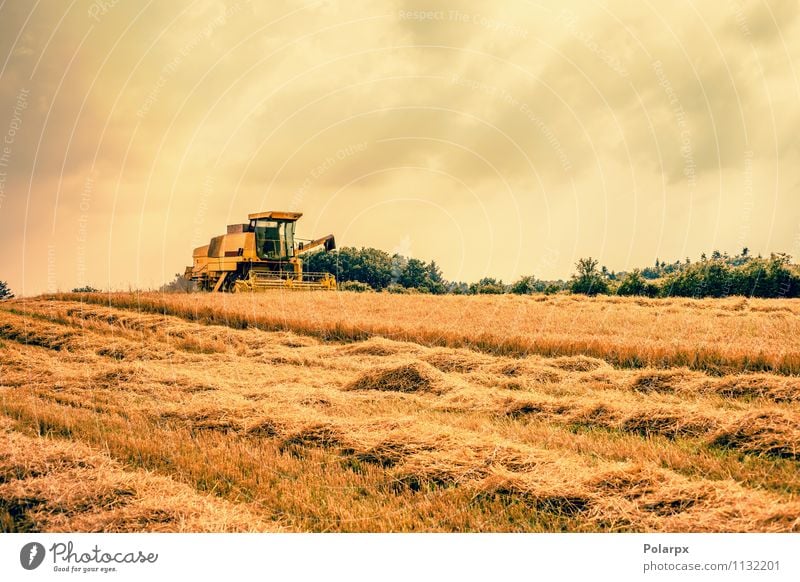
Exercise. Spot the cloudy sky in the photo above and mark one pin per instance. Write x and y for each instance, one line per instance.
(499, 139)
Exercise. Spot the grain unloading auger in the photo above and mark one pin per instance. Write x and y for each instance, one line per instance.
(259, 255)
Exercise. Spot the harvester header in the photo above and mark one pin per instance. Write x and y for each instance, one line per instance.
(260, 254)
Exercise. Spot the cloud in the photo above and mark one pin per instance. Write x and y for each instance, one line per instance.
(500, 132)
(764, 22)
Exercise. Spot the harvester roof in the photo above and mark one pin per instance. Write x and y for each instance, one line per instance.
(275, 215)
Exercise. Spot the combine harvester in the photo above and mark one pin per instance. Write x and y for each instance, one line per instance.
(257, 256)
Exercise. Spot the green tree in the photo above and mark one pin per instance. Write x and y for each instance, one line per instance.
(5, 292)
(634, 284)
(415, 275)
(525, 285)
(717, 278)
(436, 282)
(367, 265)
(721, 277)
(773, 277)
(373, 267)
(425, 277)
(588, 280)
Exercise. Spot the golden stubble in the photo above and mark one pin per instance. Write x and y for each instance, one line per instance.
(334, 412)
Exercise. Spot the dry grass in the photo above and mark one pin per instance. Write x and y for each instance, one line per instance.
(120, 413)
(712, 335)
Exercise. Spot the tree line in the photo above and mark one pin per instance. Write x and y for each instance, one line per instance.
(719, 275)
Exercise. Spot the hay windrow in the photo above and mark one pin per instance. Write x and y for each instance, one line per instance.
(459, 361)
(544, 407)
(118, 377)
(410, 377)
(771, 433)
(631, 481)
(381, 347)
(293, 340)
(267, 428)
(204, 420)
(390, 451)
(315, 435)
(666, 422)
(36, 333)
(748, 386)
(431, 470)
(578, 363)
(560, 501)
(535, 369)
(68, 487)
(662, 381)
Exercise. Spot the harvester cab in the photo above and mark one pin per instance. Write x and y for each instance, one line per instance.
(260, 254)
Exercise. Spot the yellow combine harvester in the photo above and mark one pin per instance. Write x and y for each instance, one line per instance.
(262, 254)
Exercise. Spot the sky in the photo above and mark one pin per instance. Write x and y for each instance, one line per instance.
(499, 139)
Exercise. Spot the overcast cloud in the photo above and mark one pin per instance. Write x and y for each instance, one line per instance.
(500, 139)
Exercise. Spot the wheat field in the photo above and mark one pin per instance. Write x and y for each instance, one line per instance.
(374, 412)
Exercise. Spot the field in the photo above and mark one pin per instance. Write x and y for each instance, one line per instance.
(376, 412)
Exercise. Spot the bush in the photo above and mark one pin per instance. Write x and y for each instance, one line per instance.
(397, 289)
(552, 289)
(85, 289)
(487, 286)
(635, 284)
(356, 286)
